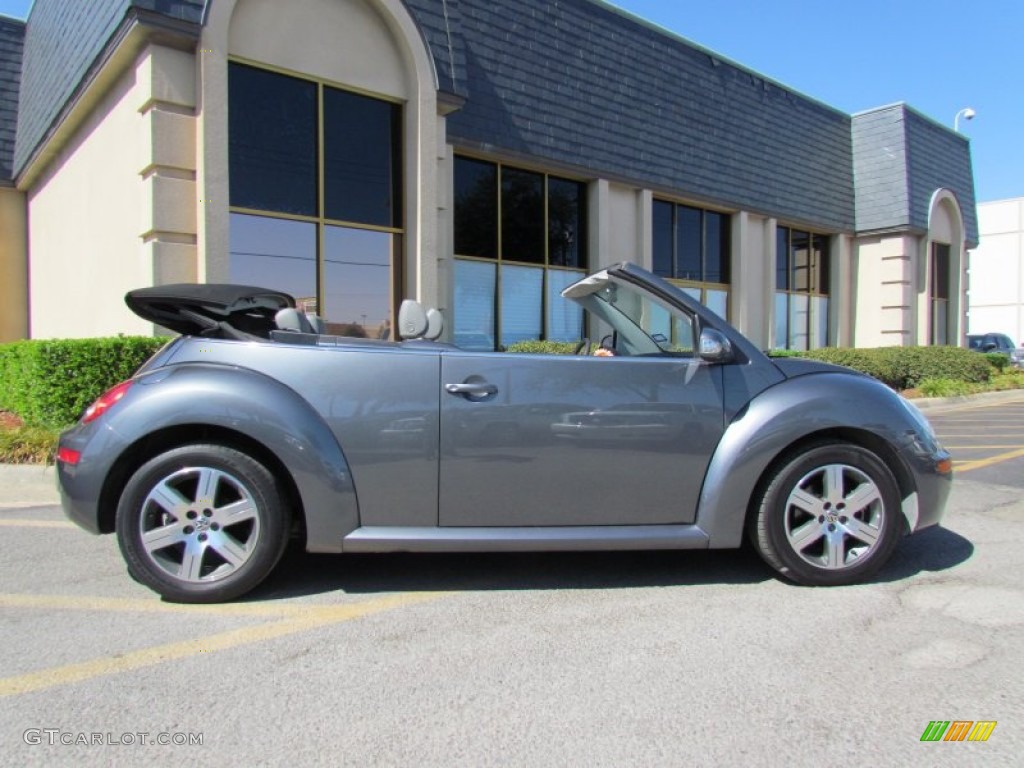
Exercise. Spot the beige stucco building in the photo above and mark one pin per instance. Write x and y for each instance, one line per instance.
(475, 156)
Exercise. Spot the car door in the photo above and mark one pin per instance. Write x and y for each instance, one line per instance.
(549, 440)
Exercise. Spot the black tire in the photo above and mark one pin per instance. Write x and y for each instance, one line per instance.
(202, 524)
(829, 515)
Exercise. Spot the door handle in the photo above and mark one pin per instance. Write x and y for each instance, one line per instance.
(472, 389)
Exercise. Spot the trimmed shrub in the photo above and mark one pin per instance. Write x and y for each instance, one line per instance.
(907, 367)
(997, 360)
(49, 382)
(534, 347)
(874, 362)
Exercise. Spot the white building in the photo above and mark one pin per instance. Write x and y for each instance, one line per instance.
(996, 271)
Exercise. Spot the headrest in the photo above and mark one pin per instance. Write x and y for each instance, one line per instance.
(435, 325)
(290, 319)
(412, 320)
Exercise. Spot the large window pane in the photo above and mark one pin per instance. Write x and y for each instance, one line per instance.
(476, 208)
(274, 253)
(663, 238)
(798, 321)
(782, 258)
(357, 282)
(716, 248)
(819, 322)
(940, 321)
(362, 159)
(272, 141)
(522, 216)
(520, 304)
(822, 266)
(474, 305)
(780, 336)
(717, 302)
(800, 260)
(565, 318)
(567, 229)
(688, 243)
(940, 271)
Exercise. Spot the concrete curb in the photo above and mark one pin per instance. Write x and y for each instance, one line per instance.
(26, 485)
(934, 403)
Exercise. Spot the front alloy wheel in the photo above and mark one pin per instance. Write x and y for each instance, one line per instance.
(829, 516)
(201, 523)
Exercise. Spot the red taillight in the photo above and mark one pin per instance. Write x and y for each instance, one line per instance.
(106, 401)
(68, 456)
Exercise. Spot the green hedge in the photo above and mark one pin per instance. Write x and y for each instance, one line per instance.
(543, 347)
(907, 367)
(50, 382)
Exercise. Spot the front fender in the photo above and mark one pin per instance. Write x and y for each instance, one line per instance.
(258, 407)
(800, 408)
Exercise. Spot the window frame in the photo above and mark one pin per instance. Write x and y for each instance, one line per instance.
(321, 221)
(499, 260)
(818, 274)
(703, 285)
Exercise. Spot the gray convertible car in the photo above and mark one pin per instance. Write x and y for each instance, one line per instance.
(254, 428)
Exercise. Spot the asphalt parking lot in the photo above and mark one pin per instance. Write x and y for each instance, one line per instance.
(695, 658)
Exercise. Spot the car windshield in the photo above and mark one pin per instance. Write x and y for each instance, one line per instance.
(642, 324)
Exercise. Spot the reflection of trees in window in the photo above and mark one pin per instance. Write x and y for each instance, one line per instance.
(693, 246)
(506, 214)
(476, 208)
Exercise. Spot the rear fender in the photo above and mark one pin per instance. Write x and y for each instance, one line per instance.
(260, 408)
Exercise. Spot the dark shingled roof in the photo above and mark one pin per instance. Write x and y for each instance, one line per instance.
(900, 159)
(62, 44)
(583, 85)
(12, 37)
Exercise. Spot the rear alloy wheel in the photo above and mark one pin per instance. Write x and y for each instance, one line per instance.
(829, 516)
(201, 524)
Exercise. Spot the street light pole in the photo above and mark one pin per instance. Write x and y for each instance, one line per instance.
(967, 113)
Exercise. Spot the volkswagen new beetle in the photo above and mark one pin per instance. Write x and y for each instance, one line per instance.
(254, 427)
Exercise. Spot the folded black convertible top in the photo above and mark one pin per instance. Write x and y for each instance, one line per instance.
(210, 309)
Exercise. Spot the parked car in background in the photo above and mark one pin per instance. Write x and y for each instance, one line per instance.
(999, 343)
(255, 427)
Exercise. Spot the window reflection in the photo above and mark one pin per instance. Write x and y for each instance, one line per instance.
(357, 282)
(362, 159)
(522, 216)
(565, 318)
(567, 228)
(274, 253)
(475, 283)
(272, 141)
(520, 303)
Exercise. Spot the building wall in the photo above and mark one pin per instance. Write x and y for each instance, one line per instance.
(13, 286)
(996, 285)
(115, 207)
(884, 272)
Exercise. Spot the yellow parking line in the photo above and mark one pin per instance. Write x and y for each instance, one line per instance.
(8, 523)
(981, 463)
(979, 447)
(143, 605)
(311, 618)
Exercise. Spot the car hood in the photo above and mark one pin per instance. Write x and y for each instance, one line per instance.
(211, 309)
(792, 367)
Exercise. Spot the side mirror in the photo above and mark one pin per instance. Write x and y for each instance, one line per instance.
(715, 347)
